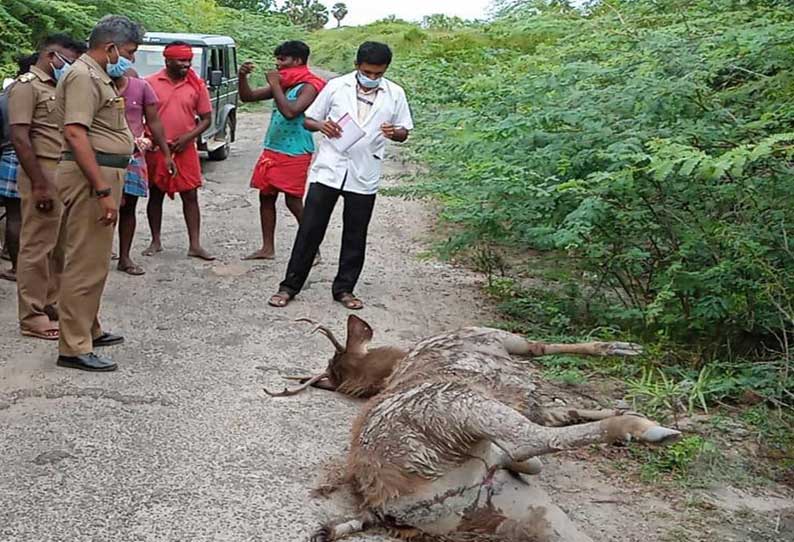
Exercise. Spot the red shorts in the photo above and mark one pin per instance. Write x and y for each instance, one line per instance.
(188, 174)
(276, 172)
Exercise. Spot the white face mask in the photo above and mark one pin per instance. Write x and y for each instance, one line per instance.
(57, 73)
(118, 68)
(366, 82)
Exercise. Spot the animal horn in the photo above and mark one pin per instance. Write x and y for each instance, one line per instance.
(325, 331)
(288, 392)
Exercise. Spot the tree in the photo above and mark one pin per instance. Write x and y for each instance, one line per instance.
(439, 21)
(339, 11)
(254, 6)
(309, 13)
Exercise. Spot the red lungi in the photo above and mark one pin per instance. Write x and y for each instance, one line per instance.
(276, 172)
(188, 168)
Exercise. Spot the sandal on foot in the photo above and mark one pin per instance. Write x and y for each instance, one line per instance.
(281, 299)
(133, 269)
(8, 275)
(350, 301)
(51, 334)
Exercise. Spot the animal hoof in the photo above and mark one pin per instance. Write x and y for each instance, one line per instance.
(658, 434)
(323, 534)
(623, 349)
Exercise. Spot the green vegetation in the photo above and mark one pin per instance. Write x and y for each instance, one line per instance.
(677, 460)
(257, 32)
(621, 171)
(649, 144)
(624, 168)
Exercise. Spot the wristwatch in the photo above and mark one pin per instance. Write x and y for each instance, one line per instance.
(102, 193)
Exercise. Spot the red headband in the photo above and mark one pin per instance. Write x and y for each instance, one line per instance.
(178, 52)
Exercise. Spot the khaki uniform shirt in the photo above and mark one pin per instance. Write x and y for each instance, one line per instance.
(31, 101)
(87, 96)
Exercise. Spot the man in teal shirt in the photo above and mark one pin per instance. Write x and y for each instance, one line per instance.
(288, 148)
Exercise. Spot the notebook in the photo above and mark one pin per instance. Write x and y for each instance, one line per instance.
(351, 133)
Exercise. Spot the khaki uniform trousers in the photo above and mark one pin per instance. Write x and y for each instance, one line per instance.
(40, 260)
(88, 245)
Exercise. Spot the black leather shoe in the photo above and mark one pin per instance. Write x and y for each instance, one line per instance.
(87, 362)
(108, 339)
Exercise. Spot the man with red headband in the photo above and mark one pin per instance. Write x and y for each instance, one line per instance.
(182, 97)
(288, 147)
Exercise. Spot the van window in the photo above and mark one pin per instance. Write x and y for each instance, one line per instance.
(215, 60)
(149, 59)
(226, 62)
(234, 61)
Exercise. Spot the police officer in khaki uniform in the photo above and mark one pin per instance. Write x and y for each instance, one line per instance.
(90, 178)
(37, 141)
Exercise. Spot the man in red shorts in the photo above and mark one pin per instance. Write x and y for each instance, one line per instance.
(182, 97)
(288, 148)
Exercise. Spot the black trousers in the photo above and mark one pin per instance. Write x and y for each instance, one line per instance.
(319, 205)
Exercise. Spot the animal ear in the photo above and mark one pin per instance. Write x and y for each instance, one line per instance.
(359, 335)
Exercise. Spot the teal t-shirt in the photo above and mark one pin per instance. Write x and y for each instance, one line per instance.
(288, 136)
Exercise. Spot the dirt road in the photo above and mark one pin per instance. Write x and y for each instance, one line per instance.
(180, 444)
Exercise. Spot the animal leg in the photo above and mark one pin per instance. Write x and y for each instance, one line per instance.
(518, 345)
(561, 416)
(334, 531)
(522, 439)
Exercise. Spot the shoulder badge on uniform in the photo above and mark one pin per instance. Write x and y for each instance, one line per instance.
(93, 73)
(26, 77)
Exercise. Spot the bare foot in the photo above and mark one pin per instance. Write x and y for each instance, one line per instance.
(200, 253)
(153, 249)
(261, 254)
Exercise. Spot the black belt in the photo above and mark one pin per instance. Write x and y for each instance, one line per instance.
(118, 161)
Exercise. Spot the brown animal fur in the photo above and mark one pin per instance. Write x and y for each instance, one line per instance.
(443, 416)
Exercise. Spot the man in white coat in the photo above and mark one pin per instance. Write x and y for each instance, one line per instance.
(380, 108)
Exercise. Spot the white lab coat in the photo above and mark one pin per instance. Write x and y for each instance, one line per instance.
(362, 162)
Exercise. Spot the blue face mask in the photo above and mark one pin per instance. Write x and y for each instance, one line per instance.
(119, 68)
(366, 82)
(57, 73)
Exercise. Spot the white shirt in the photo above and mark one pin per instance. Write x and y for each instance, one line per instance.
(362, 162)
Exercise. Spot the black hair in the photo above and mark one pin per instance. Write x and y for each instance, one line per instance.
(62, 40)
(116, 29)
(295, 49)
(24, 62)
(373, 52)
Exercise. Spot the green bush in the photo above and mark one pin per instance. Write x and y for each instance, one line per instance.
(649, 142)
(24, 22)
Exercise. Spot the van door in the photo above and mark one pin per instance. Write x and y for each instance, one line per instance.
(233, 80)
(224, 97)
(215, 64)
